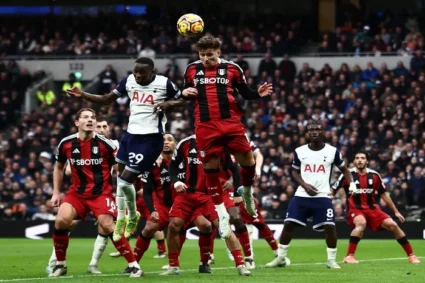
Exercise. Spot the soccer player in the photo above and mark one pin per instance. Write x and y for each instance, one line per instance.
(143, 141)
(211, 82)
(102, 128)
(230, 178)
(157, 194)
(311, 169)
(362, 210)
(189, 180)
(91, 157)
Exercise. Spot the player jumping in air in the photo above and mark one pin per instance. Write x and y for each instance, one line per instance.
(157, 194)
(211, 82)
(91, 157)
(102, 128)
(362, 210)
(143, 141)
(311, 169)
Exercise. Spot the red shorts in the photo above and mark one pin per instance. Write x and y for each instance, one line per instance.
(228, 198)
(102, 204)
(247, 218)
(213, 136)
(207, 210)
(163, 212)
(188, 206)
(374, 218)
(142, 208)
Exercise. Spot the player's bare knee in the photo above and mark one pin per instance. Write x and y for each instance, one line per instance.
(245, 158)
(205, 227)
(63, 223)
(212, 163)
(174, 227)
(106, 222)
(149, 230)
(390, 225)
(234, 214)
(73, 224)
(239, 225)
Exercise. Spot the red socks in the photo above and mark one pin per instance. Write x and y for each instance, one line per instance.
(124, 248)
(213, 235)
(204, 246)
(173, 259)
(142, 245)
(245, 243)
(237, 255)
(60, 242)
(215, 189)
(267, 234)
(352, 245)
(404, 244)
(160, 244)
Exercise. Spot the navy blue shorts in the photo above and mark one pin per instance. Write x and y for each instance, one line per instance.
(139, 152)
(302, 208)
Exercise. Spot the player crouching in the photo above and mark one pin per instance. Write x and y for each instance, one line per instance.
(91, 157)
(362, 210)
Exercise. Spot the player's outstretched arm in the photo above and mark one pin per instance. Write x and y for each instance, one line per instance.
(259, 159)
(349, 178)
(164, 106)
(58, 173)
(98, 99)
(387, 199)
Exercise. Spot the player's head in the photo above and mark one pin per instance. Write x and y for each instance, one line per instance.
(169, 144)
(361, 159)
(102, 126)
(85, 120)
(143, 70)
(208, 48)
(315, 130)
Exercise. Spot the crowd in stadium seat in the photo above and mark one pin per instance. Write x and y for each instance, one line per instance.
(133, 35)
(377, 109)
(375, 34)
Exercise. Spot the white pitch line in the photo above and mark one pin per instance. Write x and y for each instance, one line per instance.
(185, 270)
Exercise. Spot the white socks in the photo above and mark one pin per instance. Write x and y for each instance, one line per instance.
(53, 255)
(221, 210)
(99, 248)
(331, 254)
(127, 191)
(282, 251)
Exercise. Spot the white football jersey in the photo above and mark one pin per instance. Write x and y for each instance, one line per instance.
(316, 168)
(143, 98)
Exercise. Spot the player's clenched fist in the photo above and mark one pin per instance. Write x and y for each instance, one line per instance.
(180, 187)
(190, 92)
(75, 91)
(154, 216)
(55, 200)
(312, 191)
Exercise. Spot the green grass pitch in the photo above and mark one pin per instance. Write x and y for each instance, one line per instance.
(381, 261)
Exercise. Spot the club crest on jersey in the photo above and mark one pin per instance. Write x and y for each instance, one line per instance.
(221, 72)
(315, 168)
(370, 181)
(202, 153)
(95, 150)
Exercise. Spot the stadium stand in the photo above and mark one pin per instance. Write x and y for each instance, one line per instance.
(377, 109)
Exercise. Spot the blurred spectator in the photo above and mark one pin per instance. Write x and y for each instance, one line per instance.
(72, 81)
(107, 78)
(417, 188)
(45, 95)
